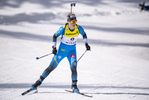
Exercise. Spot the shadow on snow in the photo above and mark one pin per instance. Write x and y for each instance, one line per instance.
(34, 37)
(54, 3)
(81, 86)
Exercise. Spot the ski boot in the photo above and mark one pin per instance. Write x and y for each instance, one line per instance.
(37, 83)
(74, 87)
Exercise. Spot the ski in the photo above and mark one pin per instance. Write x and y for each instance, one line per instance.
(29, 90)
(80, 93)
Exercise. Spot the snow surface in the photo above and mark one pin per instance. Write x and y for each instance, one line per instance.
(116, 68)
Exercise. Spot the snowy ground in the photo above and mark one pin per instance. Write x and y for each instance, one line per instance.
(116, 68)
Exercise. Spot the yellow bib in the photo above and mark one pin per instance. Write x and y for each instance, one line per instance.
(69, 33)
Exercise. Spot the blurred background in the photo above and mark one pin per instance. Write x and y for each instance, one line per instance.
(116, 68)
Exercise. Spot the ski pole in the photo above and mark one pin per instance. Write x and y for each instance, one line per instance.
(43, 56)
(81, 56)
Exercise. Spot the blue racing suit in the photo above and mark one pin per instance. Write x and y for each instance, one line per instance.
(67, 49)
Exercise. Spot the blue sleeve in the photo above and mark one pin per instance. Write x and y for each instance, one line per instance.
(82, 32)
(58, 33)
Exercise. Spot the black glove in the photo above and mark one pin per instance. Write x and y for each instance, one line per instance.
(87, 46)
(54, 51)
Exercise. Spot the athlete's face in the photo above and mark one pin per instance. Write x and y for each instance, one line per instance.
(72, 24)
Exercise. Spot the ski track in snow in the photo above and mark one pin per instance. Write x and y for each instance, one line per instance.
(116, 68)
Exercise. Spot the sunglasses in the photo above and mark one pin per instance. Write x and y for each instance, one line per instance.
(73, 21)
